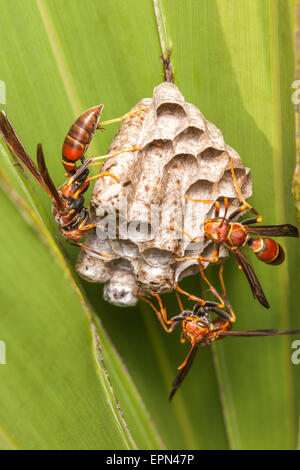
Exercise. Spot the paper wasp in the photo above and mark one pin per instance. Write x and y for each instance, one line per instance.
(68, 201)
(223, 307)
(235, 235)
(80, 135)
(200, 330)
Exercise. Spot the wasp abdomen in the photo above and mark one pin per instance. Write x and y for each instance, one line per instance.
(267, 250)
(79, 137)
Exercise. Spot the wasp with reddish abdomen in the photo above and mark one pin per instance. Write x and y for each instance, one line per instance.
(68, 200)
(235, 235)
(223, 307)
(80, 135)
(200, 330)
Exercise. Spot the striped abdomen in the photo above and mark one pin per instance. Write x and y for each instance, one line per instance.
(267, 250)
(79, 136)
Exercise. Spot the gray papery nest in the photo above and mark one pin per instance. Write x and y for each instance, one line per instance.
(181, 154)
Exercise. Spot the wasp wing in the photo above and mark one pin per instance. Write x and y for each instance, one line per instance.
(259, 333)
(52, 191)
(8, 133)
(181, 375)
(285, 230)
(252, 278)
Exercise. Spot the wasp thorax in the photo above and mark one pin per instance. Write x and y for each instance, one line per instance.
(196, 328)
(141, 219)
(217, 231)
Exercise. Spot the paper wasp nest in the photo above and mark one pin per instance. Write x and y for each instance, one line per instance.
(181, 154)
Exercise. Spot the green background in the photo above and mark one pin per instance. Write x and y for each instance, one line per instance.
(65, 381)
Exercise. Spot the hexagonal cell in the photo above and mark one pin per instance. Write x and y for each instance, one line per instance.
(99, 244)
(227, 186)
(121, 289)
(186, 269)
(201, 189)
(185, 164)
(157, 257)
(171, 118)
(91, 268)
(173, 111)
(120, 265)
(189, 137)
(157, 279)
(212, 172)
(140, 231)
(124, 248)
(177, 175)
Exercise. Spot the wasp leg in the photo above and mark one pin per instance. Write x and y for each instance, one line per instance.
(243, 208)
(119, 119)
(92, 160)
(240, 209)
(226, 207)
(87, 248)
(161, 314)
(224, 296)
(212, 289)
(101, 176)
(82, 188)
(206, 201)
(190, 296)
(182, 337)
(254, 220)
(197, 239)
(240, 196)
(179, 301)
(222, 279)
(213, 259)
